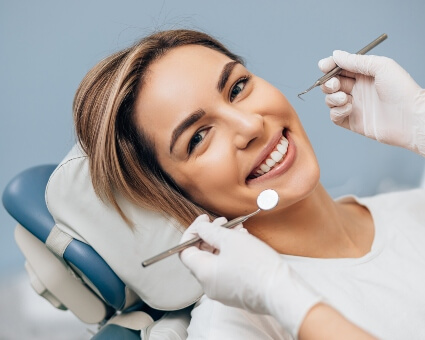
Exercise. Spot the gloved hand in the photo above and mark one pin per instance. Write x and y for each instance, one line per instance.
(239, 270)
(376, 98)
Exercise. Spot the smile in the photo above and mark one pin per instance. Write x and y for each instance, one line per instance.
(275, 157)
(276, 161)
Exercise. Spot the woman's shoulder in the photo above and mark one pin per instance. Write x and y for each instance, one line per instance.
(413, 199)
(392, 206)
(211, 320)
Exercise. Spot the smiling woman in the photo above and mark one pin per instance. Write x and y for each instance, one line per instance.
(213, 124)
(177, 124)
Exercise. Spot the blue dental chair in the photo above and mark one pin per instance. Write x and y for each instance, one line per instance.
(71, 274)
(23, 198)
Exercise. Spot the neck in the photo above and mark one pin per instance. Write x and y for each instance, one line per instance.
(318, 227)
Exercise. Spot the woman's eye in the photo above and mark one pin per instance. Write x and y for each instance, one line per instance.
(196, 139)
(238, 88)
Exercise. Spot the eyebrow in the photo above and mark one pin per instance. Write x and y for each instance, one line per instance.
(184, 125)
(198, 114)
(225, 73)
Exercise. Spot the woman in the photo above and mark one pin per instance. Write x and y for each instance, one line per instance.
(178, 122)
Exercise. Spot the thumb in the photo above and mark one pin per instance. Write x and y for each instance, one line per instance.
(326, 64)
(364, 64)
(188, 254)
(192, 231)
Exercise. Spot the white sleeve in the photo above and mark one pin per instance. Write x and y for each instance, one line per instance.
(211, 320)
(172, 326)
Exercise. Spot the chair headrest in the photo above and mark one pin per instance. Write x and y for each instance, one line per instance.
(23, 199)
(71, 200)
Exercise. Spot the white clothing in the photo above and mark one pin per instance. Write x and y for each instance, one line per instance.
(211, 320)
(382, 292)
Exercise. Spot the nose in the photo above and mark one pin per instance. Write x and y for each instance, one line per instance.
(246, 127)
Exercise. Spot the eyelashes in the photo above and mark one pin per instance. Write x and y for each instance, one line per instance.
(237, 88)
(196, 139)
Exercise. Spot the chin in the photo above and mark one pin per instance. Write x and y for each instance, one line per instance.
(300, 187)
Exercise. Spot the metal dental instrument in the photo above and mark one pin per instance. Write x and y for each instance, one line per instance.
(266, 200)
(337, 70)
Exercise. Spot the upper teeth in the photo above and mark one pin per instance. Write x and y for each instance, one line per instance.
(275, 157)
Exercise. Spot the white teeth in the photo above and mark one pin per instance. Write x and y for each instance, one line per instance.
(265, 168)
(283, 146)
(270, 162)
(275, 157)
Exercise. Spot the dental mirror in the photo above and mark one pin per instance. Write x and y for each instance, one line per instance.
(266, 200)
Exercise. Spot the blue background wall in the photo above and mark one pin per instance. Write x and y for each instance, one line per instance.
(46, 47)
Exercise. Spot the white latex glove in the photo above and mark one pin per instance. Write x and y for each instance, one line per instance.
(241, 271)
(172, 326)
(377, 98)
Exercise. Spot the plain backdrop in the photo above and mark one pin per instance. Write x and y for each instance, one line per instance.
(46, 47)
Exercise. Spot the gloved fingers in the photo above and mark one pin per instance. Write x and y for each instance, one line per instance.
(331, 86)
(201, 218)
(336, 99)
(364, 64)
(202, 266)
(199, 262)
(340, 114)
(213, 234)
(346, 84)
(191, 232)
(347, 74)
(239, 227)
(188, 252)
(206, 247)
(326, 64)
(242, 229)
(340, 83)
(220, 221)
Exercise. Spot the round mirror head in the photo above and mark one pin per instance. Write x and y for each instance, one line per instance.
(267, 199)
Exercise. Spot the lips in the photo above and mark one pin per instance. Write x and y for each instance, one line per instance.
(272, 159)
(273, 155)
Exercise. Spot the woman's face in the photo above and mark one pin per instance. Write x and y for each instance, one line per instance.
(214, 125)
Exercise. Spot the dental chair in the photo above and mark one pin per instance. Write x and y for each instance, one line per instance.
(81, 256)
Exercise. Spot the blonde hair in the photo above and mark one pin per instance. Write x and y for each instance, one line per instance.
(122, 159)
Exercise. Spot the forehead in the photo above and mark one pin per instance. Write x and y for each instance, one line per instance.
(186, 61)
(181, 70)
(181, 81)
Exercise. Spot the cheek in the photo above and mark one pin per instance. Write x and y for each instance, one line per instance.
(204, 179)
(270, 94)
(304, 177)
(208, 181)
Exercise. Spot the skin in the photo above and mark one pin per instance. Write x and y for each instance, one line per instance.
(238, 123)
(324, 322)
(238, 127)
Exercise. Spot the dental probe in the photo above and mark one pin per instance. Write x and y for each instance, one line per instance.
(266, 200)
(337, 70)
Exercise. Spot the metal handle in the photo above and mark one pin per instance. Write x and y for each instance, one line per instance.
(194, 241)
(336, 70)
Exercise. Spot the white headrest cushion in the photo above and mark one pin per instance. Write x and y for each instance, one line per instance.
(70, 197)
